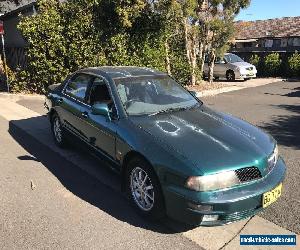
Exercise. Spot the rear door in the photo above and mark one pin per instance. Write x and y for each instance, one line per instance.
(73, 102)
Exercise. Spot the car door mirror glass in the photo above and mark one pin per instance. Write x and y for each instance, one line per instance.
(101, 109)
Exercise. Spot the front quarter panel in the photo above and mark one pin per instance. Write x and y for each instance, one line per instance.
(169, 165)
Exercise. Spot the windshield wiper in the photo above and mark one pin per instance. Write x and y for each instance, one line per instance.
(195, 105)
(169, 110)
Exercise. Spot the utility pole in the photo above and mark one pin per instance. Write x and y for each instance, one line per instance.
(4, 54)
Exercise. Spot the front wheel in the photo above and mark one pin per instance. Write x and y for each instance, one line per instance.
(58, 131)
(144, 189)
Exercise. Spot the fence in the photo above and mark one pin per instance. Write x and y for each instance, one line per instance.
(16, 57)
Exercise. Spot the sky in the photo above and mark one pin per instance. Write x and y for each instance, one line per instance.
(267, 9)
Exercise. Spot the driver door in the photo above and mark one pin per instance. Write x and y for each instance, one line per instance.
(100, 131)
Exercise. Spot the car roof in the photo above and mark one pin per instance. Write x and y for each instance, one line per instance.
(124, 71)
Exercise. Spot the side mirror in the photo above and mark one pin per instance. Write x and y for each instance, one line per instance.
(194, 93)
(101, 109)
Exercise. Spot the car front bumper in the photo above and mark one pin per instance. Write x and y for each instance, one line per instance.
(221, 207)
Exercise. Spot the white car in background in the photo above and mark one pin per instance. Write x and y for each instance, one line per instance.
(231, 67)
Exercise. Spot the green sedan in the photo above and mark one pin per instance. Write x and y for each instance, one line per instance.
(176, 156)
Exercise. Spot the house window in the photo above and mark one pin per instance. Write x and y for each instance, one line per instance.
(297, 41)
(284, 42)
(269, 43)
(291, 42)
(276, 43)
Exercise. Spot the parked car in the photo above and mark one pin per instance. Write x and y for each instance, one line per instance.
(176, 156)
(231, 67)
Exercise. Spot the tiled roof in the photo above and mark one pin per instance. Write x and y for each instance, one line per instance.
(279, 27)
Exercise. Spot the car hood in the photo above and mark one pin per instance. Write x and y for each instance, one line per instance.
(242, 64)
(212, 141)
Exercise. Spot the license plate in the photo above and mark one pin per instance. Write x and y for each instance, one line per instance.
(272, 196)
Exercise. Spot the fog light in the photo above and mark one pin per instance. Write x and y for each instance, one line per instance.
(210, 217)
(200, 207)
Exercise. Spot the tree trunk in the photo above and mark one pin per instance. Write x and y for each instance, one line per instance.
(186, 40)
(191, 50)
(201, 57)
(167, 57)
(211, 65)
(193, 57)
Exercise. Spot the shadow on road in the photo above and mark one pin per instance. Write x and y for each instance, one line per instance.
(293, 94)
(285, 128)
(84, 185)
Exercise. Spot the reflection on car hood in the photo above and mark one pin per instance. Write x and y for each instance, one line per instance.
(211, 140)
(242, 64)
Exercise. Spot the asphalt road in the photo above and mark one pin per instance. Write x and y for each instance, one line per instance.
(64, 211)
(276, 109)
(46, 202)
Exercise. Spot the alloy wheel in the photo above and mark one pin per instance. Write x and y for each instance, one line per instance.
(142, 189)
(57, 130)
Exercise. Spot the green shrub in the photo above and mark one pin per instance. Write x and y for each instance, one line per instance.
(66, 36)
(255, 60)
(11, 76)
(294, 64)
(272, 64)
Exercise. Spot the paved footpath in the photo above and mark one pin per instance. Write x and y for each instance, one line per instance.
(56, 201)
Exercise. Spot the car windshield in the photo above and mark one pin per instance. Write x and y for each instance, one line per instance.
(231, 58)
(152, 95)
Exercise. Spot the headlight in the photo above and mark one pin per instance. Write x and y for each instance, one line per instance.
(272, 160)
(212, 182)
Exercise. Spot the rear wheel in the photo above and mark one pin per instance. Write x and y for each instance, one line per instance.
(58, 131)
(144, 189)
(230, 75)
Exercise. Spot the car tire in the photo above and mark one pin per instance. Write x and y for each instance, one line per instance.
(144, 190)
(58, 131)
(230, 76)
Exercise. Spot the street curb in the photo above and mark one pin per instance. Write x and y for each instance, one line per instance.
(18, 97)
(214, 92)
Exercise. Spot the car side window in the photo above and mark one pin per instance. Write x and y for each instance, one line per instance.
(77, 86)
(99, 93)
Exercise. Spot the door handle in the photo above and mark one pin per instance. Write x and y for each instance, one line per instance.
(85, 114)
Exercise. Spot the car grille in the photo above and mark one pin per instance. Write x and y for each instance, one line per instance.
(239, 215)
(248, 174)
(250, 68)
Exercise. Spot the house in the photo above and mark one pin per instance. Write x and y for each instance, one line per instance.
(15, 44)
(281, 35)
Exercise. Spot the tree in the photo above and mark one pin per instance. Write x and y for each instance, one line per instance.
(61, 39)
(216, 19)
(169, 35)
